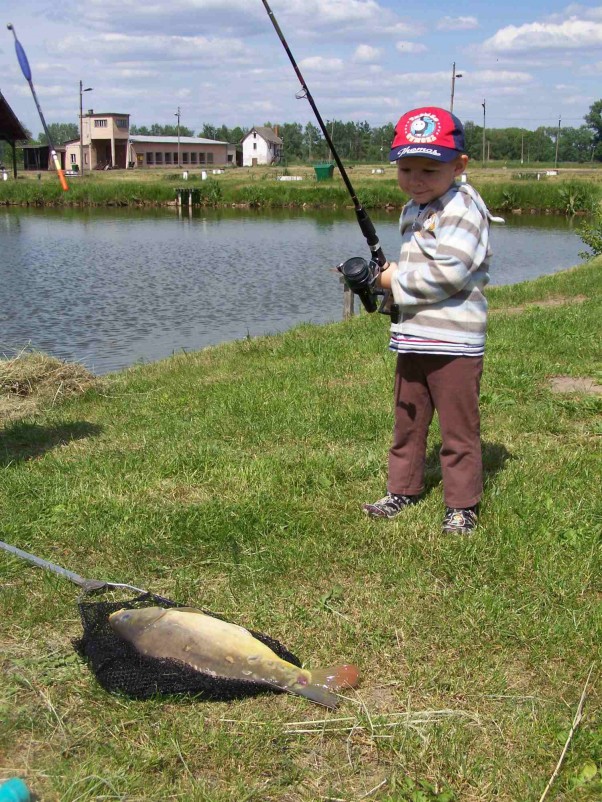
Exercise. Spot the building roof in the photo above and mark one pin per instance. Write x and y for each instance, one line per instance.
(173, 140)
(37, 146)
(11, 129)
(92, 113)
(266, 133)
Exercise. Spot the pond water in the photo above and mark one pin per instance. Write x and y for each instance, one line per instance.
(110, 288)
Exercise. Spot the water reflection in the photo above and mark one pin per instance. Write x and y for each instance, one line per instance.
(109, 288)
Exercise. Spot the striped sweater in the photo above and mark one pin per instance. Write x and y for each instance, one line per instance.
(442, 272)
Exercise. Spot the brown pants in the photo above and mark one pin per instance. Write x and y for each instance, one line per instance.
(425, 383)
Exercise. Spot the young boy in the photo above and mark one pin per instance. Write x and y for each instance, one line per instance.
(439, 318)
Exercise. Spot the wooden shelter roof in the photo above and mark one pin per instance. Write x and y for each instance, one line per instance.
(11, 129)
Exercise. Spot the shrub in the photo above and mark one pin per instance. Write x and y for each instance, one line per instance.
(591, 235)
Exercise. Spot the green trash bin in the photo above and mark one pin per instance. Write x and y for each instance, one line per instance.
(324, 171)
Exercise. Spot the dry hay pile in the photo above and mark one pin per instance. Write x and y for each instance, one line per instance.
(32, 380)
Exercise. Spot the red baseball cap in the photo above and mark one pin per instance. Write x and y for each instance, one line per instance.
(429, 132)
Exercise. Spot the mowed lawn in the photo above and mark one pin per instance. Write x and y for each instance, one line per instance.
(231, 479)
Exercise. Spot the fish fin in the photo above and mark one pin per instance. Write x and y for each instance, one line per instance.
(316, 693)
(336, 678)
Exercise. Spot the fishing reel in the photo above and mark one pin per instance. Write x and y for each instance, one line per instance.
(360, 276)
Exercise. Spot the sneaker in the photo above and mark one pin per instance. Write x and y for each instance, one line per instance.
(460, 521)
(390, 506)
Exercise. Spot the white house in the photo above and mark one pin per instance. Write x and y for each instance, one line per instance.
(261, 146)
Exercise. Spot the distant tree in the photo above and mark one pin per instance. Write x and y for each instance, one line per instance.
(358, 141)
(380, 143)
(594, 122)
(236, 135)
(208, 131)
(292, 139)
(473, 138)
(541, 144)
(576, 144)
(312, 142)
(60, 133)
(157, 129)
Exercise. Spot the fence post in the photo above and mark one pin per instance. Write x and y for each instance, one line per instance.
(348, 296)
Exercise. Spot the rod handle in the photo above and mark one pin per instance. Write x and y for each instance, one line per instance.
(60, 173)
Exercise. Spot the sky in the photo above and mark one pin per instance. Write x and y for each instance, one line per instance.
(221, 62)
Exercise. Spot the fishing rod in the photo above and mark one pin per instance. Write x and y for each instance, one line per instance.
(26, 70)
(358, 275)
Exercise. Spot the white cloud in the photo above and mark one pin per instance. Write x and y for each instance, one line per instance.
(410, 47)
(124, 48)
(366, 53)
(404, 29)
(457, 24)
(500, 77)
(576, 10)
(321, 64)
(569, 35)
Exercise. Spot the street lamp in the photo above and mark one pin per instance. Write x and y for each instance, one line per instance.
(177, 114)
(453, 85)
(81, 127)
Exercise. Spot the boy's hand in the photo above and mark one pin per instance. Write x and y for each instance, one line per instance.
(384, 279)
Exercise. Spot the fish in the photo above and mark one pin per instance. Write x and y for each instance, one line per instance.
(220, 649)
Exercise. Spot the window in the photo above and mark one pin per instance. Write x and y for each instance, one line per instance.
(210, 158)
(184, 158)
(150, 159)
(168, 158)
(121, 123)
(201, 158)
(73, 158)
(100, 123)
(158, 158)
(193, 158)
(254, 145)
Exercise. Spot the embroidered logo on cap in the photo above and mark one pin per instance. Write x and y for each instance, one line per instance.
(423, 128)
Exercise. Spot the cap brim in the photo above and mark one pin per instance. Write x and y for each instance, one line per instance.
(433, 152)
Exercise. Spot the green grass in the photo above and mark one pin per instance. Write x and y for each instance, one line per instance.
(570, 193)
(231, 479)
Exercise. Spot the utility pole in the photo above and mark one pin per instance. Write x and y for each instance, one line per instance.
(81, 127)
(177, 114)
(484, 127)
(453, 85)
(522, 149)
(557, 141)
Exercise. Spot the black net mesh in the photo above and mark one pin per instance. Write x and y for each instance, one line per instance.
(119, 668)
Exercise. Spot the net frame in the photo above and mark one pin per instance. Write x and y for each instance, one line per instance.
(119, 668)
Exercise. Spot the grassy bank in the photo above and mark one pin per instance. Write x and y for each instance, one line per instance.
(231, 479)
(568, 193)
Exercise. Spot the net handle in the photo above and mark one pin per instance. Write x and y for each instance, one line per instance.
(88, 585)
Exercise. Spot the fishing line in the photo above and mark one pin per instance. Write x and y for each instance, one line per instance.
(363, 219)
(26, 70)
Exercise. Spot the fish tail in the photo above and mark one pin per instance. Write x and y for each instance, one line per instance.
(336, 678)
(316, 693)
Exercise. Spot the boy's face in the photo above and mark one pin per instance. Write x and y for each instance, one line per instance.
(426, 179)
